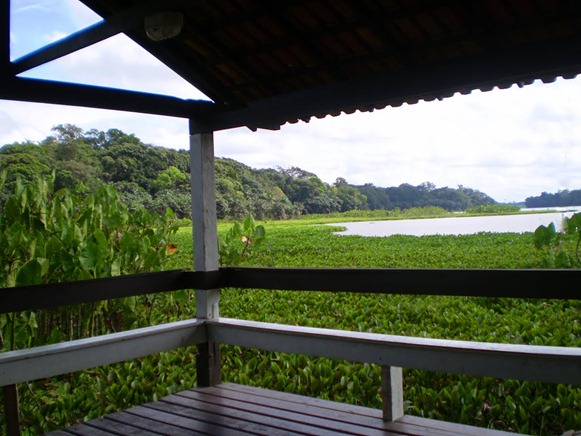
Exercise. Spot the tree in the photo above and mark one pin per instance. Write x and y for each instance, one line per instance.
(349, 196)
(25, 160)
(377, 198)
(134, 196)
(178, 202)
(125, 162)
(171, 178)
(66, 133)
(558, 199)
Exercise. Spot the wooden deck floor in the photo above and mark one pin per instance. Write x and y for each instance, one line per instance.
(231, 409)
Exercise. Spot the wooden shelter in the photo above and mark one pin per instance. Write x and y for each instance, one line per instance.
(264, 64)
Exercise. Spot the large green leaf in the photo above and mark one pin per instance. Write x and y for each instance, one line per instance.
(90, 256)
(29, 274)
(544, 235)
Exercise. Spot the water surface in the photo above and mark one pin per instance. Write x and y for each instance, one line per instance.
(455, 225)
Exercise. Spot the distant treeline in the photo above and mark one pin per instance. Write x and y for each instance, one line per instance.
(559, 199)
(157, 178)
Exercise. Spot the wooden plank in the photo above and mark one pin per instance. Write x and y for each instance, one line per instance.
(299, 415)
(521, 362)
(366, 417)
(223, 418)
(459, 282)
(205, 232)
(284, 421)
(119, 428)
(452, 428)
(50, 360)
(87, 291)
(290, 402)
(301, 399)
(138, 417)
(86, 430)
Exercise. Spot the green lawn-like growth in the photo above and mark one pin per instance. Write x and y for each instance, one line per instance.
(509, 405)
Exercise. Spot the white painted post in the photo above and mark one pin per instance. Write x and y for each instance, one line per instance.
(204, 223)
(392, 392)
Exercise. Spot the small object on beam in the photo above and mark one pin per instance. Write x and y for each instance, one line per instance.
(164, 25)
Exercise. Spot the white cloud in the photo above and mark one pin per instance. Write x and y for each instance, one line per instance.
(120, 63)
(79, 14)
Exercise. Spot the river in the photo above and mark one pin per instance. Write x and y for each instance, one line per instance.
(458, 225)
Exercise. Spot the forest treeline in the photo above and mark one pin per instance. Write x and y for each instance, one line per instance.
(158, 178)
(559, 199)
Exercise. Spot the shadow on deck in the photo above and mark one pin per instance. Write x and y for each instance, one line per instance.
(231, 409)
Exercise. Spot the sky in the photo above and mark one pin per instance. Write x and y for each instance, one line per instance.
(509, 144)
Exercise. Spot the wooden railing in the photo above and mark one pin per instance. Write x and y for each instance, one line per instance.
(540, 363)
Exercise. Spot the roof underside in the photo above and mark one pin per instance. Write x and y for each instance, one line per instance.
(266, 63)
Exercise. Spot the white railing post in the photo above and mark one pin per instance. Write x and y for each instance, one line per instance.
(392, 392)
(204, 223)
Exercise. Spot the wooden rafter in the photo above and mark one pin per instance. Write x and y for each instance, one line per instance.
(4, 36)
(44, 91)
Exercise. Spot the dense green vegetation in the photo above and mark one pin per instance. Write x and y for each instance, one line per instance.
(50, 236)
(493, 209)
(157, 178)
(558, 199)
(522, 406)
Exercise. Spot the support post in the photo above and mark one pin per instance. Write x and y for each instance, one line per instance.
(392, 392)
(204, 223)
(11, 410)
(5, 38)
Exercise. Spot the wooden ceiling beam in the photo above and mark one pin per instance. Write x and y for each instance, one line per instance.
(69, 94)
(4, 36)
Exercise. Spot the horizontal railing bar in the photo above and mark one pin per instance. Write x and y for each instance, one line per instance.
(521, 362)
(549, 284)
(87, 291)
(51, 360)
(521, 283)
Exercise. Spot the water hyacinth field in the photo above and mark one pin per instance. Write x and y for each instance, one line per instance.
(526, 407)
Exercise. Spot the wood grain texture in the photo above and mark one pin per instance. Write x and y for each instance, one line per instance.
(230, 409)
